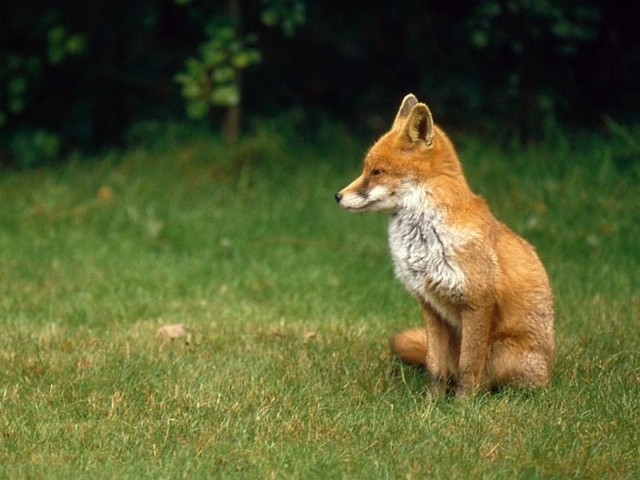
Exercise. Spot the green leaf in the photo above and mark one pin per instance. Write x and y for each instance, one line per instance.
(213, 55)
(224, 34)
(197, 109)
(56, 34)
(17, 86)
(181, 78)
(480, 39)
(226, 96)
(195, 68)
(223, 75)
(76, 45)
(245, 58)
(191, 89)
(235, 46)
(56, 54)
(269, 17)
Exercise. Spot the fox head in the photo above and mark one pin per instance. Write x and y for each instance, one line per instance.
(401, 162)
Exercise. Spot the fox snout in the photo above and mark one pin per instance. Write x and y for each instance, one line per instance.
(353, 196)
(360, 198)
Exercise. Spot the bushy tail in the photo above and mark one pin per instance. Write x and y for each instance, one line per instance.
(410, 345)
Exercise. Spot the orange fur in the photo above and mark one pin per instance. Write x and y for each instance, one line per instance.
(485, 296)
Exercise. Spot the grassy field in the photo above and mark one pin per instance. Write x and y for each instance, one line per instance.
(289, 302)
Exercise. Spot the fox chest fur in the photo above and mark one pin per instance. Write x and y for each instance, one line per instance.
(423, 249)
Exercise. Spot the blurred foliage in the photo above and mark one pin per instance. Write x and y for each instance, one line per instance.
(512, 69)
(499, 24)
(536, 37)
(289, 15)
(211, 78)
(34, 147)
(625, 142)
(20, 70)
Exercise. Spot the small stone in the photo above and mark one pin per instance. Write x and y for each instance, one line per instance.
(169, 332)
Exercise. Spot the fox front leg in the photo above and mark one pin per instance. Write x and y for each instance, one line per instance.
(441, 340)
(476, 325)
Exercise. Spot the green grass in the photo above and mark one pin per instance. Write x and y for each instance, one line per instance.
(290, 302)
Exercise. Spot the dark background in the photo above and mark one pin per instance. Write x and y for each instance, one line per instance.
(505, 68)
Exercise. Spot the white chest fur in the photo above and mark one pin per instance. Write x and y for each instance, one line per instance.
(423, 249)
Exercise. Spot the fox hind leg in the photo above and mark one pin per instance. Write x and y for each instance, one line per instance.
(509, 364)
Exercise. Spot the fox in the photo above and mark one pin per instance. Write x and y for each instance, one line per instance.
(485, 297)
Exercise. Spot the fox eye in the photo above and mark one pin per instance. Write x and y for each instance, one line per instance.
(376, 171)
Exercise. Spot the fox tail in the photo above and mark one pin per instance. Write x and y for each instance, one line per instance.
(410, 345)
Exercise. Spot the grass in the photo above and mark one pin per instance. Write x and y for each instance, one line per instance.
(289, 303)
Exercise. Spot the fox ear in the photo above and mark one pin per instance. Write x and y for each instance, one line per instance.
(418, 127)
(408, 102)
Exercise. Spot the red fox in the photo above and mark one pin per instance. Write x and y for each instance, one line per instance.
(484, 293)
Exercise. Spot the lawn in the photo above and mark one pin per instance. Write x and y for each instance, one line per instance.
(289, 302)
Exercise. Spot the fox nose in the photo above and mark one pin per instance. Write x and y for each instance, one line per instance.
(338, 197)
